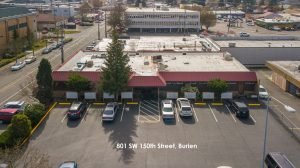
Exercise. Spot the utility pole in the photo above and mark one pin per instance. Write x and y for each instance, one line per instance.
(105, 24)
(62, 44)
(265, 133)
(229, 19)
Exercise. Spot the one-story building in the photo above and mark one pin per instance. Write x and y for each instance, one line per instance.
(49, 21)
(157, 73)
(286, 75)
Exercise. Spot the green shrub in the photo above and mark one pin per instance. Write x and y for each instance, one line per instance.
(5, 139)
(35, 112)
(19, 128)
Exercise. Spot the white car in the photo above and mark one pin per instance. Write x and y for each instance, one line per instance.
(276, 28)
(20, 105)
(184, 107)
(17, 66)
(262, 92)
(167, 109)
(110, 111)
(250, 24)
(30, 59)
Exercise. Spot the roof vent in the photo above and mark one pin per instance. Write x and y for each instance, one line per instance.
(186, 63)
(228, 56)
(173, 58)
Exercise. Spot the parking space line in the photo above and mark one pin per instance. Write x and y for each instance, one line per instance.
(230, 113)
(149, 115)
(195, 113)
(143, 108)
(213, 113)
(64, 118)
(139, 111)
(122, 112)
(87, 110)
(150, 107)
(286, 117)
(177, 115)
(252, 118)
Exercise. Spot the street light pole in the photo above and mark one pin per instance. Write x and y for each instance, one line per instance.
(98, 31)
(105, 23)
(62, 44)
(265, 134)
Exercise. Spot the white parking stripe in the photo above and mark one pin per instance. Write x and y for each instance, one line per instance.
(144, 118)
(149, 115)
(87, 110)
(195, 113)
(252, 118)
(145, 109)
(64, 118)
(231, 113)
(177, 116)
(150, 107)
(122, 112)
(139, 111)
(213, 113)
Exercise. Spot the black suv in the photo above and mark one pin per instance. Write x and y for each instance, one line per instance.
(77, 109)
(239, 108)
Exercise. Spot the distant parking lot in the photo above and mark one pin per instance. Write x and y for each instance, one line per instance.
(139, 138)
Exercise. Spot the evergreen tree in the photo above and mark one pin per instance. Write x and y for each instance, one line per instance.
(116, 70)
(44, 81)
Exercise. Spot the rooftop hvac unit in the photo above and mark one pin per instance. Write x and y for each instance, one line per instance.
(231, 44)
(299, 68)
(228, 56)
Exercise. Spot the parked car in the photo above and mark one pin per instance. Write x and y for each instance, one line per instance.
(6, 114)
(110, 111)
(53, 47)
(30, 59)
(76, 110)
(68, 164)
(167, 109)
(19, 105)
(250, 24)
(18, 66)
(262, 92)
(90, 47)
(278, 160)
(276, 28)
(46, 50)
(243, 34)
(239, 108)
(184, 107)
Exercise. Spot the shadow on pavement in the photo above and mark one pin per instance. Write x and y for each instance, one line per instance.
(188, 120)
(123, 132)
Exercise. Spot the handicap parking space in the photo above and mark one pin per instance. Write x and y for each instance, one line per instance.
(149, 111)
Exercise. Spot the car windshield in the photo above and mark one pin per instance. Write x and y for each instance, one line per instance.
(108, 112)
(186, 109)
(167, 109)
(12, 106)
(262, 90)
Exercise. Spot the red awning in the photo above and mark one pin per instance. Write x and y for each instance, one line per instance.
(146, 81)
(206, 76)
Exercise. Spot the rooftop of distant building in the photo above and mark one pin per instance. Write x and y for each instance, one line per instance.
(257, 43)
(161, 10)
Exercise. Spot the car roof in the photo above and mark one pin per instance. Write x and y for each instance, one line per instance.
(68, 164)
(75, 105)
(184, 102)
(166, 102)
(281, 159)
(14, 103)
(240, 104)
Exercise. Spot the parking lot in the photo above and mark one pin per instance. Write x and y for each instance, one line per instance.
(140, 138)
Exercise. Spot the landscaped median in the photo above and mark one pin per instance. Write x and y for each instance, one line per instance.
(24, 124)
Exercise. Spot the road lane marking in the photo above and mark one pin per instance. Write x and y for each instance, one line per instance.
(149, 115)
(230, 113)
(286, 117)
(211, 110)
(252, 118)
(146, 106)
(122, 112)
(195, 113)
(143, 108)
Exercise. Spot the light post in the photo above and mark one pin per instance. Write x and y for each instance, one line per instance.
(265, 133)
(98, 31)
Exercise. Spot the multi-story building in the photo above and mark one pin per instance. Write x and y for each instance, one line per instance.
(162, 20)
(64, 10)
(15, 18)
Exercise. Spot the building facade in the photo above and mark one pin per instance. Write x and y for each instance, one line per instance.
(15, 18)
(163, 20)
(64, 11)
(49, 21)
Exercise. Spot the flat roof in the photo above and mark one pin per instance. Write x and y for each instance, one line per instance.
(142, 10)
(162, 43)
(228, 12)
(281, 20)
(256, 43)
(143, 64)
(288, 67)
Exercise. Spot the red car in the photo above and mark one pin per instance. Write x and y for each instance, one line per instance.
(6, 114)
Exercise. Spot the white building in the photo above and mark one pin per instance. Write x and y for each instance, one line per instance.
(163, 20)
(64, 10)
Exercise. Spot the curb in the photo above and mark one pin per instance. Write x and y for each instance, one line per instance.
(99, 104)
(64, 103)
(254, 104)
(39, 123)
(132, 103)
(200, 104)
(217, 104)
